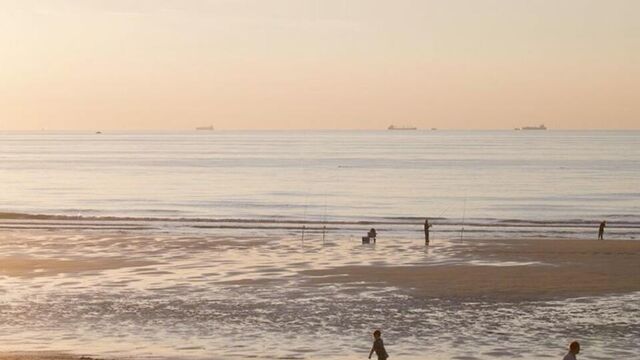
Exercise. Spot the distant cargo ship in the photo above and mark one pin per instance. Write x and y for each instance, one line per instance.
(541, 127)
(393, 127)
(209, 128)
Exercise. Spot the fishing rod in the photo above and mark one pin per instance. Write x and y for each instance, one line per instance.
(303, 157)
(444, 211)
(304, 216)
(324, 226)
(464, 210)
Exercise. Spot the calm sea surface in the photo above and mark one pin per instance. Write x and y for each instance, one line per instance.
(496, 183)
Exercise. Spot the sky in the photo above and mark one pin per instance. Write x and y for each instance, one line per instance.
(318, 64)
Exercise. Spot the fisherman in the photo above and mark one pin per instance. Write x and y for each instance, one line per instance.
(574, 349)
(601, 230)
(426, 231)
(378, 346)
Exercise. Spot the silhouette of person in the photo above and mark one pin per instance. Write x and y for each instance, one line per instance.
(601, 230)
(574, 349)
(378, 346)
(372, 234)
(426, 231)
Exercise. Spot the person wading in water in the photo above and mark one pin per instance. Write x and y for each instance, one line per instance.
(601, 230)
(426, 231)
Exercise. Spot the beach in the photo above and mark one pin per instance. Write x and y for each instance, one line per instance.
(510, 270)
(43, 355)
(139, 294)
(498, 270)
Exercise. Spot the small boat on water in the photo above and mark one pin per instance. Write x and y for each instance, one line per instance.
(393, 127)
(541, 127)
(205, 128)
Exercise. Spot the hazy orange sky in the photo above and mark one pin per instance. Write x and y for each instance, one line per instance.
(282, 64)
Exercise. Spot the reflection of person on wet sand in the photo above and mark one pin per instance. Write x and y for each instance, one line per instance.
(574, 349)
(378, 346)
(601, 230)
(426, 231)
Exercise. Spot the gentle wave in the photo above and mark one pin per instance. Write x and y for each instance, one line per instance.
(447, 227)
(492, 222)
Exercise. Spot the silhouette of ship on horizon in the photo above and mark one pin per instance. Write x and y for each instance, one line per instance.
(393, 127)
(541, 127)
(208, 128)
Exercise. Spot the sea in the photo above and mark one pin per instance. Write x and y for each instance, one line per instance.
(468, 183)
(194, 245)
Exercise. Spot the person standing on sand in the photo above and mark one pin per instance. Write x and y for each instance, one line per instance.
(426, 231)
(601, 230)
(378, 346)
(574, 349)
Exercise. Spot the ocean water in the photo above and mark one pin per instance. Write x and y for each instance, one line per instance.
(489, 183)
(211, 233)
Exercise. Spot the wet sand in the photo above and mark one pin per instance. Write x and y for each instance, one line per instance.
(108, 304)
(509, 271)
(42, 355)
(31, 267)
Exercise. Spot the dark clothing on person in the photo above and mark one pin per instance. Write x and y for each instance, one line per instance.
(378, 347)
(426, 232)
(601, 230)
(372, 234)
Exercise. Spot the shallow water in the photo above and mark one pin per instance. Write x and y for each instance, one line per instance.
(239, 294)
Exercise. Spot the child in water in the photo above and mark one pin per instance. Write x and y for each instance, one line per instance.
(378, 346)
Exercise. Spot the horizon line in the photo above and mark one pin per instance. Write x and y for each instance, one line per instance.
(302, 129)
